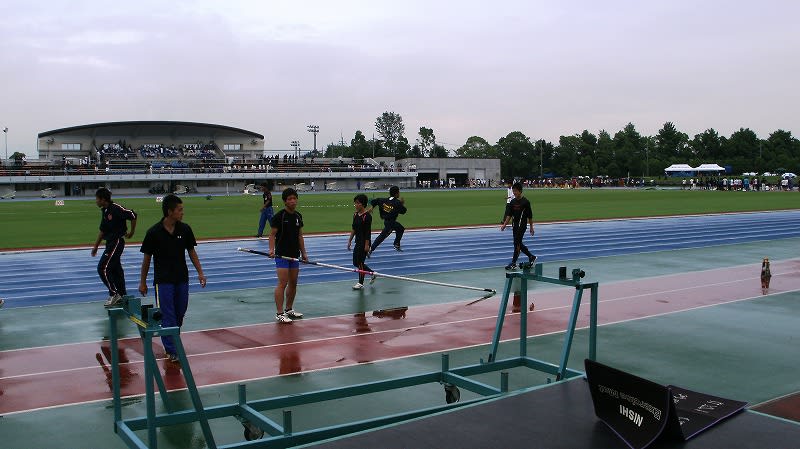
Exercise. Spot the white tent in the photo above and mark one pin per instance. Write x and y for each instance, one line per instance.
(710, 168)
(679, 168)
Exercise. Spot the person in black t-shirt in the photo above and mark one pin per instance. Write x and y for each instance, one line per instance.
(389, 209)
(362, 227)
(114, 230)
(286, 239)
(266, 209)
(166, 243)
(519, 210)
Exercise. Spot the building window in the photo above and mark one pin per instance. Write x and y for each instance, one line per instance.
(232, 147)
(71, 146)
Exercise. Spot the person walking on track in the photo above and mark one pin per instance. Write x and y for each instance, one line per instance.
(286, 241)
(114, 230)
(389, 209)
(362, 227)
(167, 243)
(266, 208)
(519, 212)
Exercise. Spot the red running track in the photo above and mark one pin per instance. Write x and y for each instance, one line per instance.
(36, 378)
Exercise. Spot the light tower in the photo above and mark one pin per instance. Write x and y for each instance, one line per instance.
(314, 129)
(5, 134)
(296, 145)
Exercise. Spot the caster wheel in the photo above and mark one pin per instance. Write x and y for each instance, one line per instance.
(451, 393)
(252, 432)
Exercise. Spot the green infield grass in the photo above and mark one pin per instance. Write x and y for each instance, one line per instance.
(35, 224)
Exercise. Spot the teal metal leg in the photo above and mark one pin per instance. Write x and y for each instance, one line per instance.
(573, 320)
(162, 389)
(287, 422)
(523, 318)
(593, 323)
(149, 367)
(192, 387)
(112, 314)
(501, 315)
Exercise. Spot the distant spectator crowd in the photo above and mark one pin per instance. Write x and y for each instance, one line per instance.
(124, 151)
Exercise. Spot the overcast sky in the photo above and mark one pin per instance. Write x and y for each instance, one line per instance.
(462, 67)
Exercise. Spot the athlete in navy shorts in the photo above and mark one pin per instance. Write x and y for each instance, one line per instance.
(286, 239)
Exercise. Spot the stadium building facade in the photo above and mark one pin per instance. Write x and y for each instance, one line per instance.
(141, 157)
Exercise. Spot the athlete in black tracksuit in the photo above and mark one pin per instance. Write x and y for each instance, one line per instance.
(114, 230)
(519, 211)
(362, 228)
(389, 209)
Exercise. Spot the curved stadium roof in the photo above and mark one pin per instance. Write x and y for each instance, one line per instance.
(154, 128)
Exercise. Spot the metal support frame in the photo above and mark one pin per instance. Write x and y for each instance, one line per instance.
(560, 371)
(263, 432)
(148, 321)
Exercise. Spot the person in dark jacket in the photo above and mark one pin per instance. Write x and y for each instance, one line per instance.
(114, 230)
(389, 209)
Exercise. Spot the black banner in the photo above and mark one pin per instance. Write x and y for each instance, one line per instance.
(640, 411)
(698, 411)
(635, 409)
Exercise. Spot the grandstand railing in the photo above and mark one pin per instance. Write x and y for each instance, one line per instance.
(168, 167)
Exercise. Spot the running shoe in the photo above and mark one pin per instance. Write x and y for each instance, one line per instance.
(293, 314)
(511, 267)
(358, 286)
(113, 301)
(397, 248)
(282, 318)
(173, 358)
(2, 303)
(372, 278)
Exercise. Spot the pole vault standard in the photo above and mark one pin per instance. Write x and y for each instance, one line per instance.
(374, 273)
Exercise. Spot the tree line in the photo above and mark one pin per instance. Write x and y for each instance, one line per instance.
(626, 153)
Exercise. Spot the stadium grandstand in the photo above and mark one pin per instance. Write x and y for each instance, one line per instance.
(141, 157)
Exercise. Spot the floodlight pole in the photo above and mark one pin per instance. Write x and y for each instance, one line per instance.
(5, 134)
(314, 129)
(296, 145)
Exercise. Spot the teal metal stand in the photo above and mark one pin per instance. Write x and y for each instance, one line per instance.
(263, 432)
(560, 371)
(148, 322)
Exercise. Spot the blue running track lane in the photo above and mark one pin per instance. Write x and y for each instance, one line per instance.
(41, 278)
